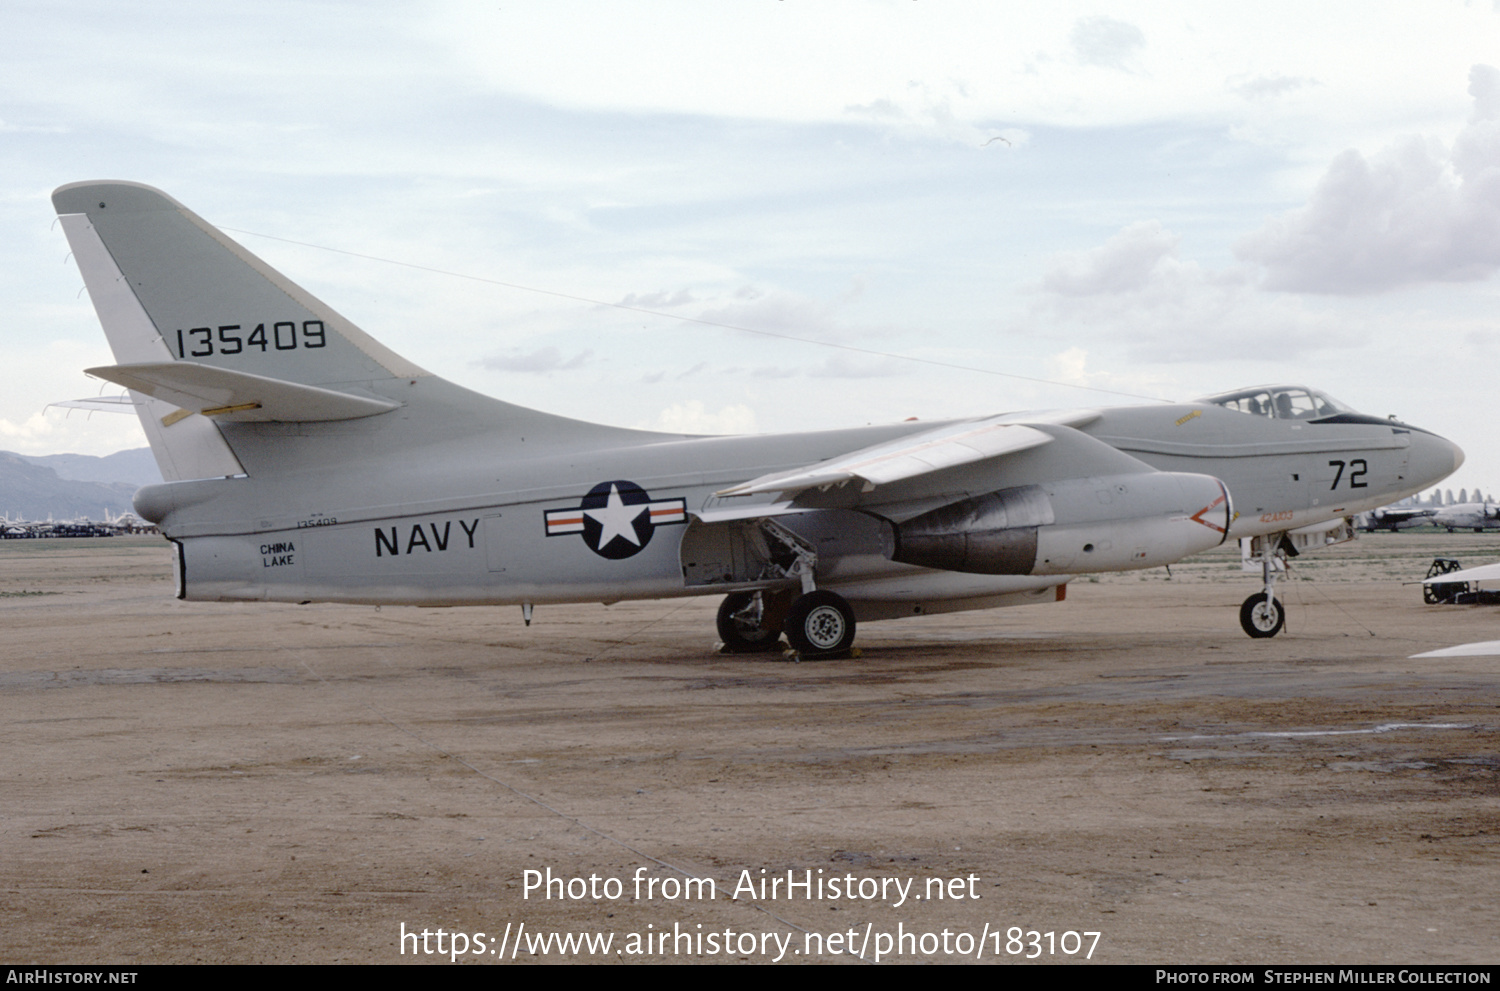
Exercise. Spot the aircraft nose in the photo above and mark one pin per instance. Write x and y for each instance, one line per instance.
(1432, 458)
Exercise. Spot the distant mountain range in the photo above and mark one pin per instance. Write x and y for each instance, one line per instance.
(73, 486)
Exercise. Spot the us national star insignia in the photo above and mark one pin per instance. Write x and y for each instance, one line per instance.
(616, 518)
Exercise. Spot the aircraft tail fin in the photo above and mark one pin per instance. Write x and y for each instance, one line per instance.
(199, 325)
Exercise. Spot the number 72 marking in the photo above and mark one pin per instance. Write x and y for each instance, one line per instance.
(1357, 470)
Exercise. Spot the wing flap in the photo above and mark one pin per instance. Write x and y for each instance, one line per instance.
(918, 454)
(240, 396)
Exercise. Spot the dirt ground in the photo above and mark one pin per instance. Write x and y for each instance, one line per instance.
(264, 783)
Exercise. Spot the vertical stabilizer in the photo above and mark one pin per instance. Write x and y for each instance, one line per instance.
(236, 369)
(168, 287)
(208, 299)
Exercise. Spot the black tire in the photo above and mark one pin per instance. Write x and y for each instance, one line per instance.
(1262, 616)
(739, 633)
(820, 622)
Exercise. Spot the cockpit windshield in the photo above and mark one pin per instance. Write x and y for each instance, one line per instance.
(1280, 402)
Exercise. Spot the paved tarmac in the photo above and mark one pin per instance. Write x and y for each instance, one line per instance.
(264, 783)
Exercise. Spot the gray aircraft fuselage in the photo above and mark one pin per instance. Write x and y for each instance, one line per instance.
(465, 520)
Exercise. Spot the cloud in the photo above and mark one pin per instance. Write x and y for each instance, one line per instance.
(690, 417)
(1415, 212)
(1134, 291)
(1268, 87)
(794, 315)
(773, 372)
(856, 367)
(1123, 263)
(546, 359)
(658, 300)
(876, 108)
(1070, 366)
(1106, 42)
(8, 128)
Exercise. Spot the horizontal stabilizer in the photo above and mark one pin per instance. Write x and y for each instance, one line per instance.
(240, 396)
(918, 454)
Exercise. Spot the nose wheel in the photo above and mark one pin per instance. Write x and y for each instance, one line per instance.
(1261, 615)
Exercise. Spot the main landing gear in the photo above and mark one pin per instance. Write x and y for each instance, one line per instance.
(817, 623)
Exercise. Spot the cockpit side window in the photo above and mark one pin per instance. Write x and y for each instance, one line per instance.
(1294, 404)
(1281, 402)
(1256, 402)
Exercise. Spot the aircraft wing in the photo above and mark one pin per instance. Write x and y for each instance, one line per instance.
(918, 454)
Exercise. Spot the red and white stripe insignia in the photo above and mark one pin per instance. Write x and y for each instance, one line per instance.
(668, 511)
(561, 521)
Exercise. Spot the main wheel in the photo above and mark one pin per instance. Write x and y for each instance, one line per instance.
(1262, 616)
(742, 624)
(820, 622)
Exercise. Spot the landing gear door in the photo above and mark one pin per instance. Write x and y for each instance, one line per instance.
(1292, 543)
(727, 554)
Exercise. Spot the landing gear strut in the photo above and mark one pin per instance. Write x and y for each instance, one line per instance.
(1261, 615)
(819, 623)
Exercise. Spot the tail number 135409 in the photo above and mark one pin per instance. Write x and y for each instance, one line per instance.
(285, 335)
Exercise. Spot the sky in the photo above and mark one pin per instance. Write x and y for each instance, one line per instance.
(876, 210)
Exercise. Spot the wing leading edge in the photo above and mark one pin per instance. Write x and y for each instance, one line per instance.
(919, 454)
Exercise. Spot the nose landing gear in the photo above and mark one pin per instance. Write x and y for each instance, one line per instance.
(1262, 615)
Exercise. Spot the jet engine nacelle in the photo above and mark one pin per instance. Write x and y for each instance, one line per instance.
(1111, 523)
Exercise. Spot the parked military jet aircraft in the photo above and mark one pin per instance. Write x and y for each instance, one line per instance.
(305, 461)
(1395, 518)
(1476, 516)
